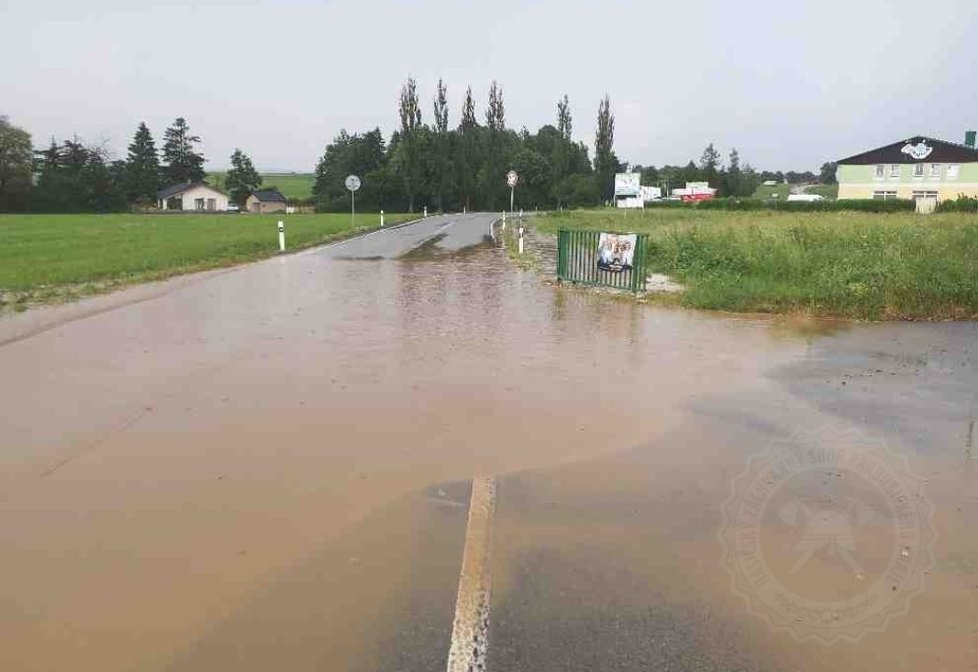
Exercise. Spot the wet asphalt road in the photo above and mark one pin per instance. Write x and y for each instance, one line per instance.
(269, 467)
(447, 233)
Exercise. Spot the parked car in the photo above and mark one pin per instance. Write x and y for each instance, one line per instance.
(232, 209)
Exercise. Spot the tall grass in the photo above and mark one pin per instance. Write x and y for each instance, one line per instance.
(857, 265)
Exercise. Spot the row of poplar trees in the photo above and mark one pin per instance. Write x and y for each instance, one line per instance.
(449, 167)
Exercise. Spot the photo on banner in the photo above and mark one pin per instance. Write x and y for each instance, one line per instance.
(616, 251)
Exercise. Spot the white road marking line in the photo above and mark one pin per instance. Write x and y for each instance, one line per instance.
(470, 630)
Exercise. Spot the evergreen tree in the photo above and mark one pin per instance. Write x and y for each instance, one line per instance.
(142, 167)
(242, 178)
(76, 178)
(183, 164)
(605, 162)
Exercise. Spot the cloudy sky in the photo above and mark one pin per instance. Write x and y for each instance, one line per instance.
(790, 84)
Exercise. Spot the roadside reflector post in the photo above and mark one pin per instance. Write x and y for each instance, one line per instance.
(281, 236)
(426, 212)
(521, 237)
(381, 218)
(504, 220)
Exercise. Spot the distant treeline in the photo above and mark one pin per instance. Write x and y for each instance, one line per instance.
(437, 165)
(70, 176)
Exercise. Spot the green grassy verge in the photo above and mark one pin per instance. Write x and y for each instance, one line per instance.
(844, 264)
(292, 185)
(51, 257)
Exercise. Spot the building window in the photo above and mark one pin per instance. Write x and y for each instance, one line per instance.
(884, 195)
(879, 172)
(924, 194)
(935, 170)
(952, 171)
(918, 170)
(895, 170)
(198, 204)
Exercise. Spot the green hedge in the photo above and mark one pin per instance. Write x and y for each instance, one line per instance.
(746, 204)
(961, 204)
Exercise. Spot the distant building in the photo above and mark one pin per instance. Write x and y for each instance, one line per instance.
(267, 200)
(192, 196)
(695, 191)
(917, 168)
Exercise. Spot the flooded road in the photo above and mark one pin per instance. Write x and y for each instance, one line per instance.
(271, 466)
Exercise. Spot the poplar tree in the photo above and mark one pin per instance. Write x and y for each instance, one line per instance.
(605, 162)
(468, 149)
(495, 172)
(408, 145)
(442, 146)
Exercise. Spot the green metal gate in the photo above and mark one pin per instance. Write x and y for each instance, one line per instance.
(578, 257)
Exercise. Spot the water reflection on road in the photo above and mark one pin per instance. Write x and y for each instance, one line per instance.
(270, 468)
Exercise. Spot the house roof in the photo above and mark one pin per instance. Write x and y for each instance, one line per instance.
(917, 149)
(270, 196)
(178, 189)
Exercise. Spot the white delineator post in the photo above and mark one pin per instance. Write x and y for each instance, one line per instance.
(281, 236)
(504, 220)
(426, 212)
(521, 238)
(381, 218)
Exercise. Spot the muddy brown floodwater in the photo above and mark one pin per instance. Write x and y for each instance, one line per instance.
(271, 466)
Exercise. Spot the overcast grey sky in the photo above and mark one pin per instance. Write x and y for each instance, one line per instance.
(790, 84)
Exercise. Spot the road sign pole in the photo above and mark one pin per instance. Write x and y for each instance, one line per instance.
(353, 209)
(512, 190)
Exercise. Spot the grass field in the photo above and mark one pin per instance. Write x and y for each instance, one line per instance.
(782, 191)
(292, 185)
(49, 257)
(829, 191)
(846, 264)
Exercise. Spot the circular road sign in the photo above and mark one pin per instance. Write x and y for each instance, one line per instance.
(512, 178)
(352, 182)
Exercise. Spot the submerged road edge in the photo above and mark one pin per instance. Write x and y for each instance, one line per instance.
(470, 629)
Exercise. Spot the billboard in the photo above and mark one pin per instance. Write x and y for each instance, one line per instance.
(616, 251)
(628, 184)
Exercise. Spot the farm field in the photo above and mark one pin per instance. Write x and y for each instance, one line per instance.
(842, 264)
(292, 185)
(53, 257)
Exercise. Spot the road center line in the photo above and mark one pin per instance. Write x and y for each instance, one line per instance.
(470, 630)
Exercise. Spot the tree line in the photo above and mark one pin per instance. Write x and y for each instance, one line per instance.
(70, 176)
(441, 165)
(462, 165)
